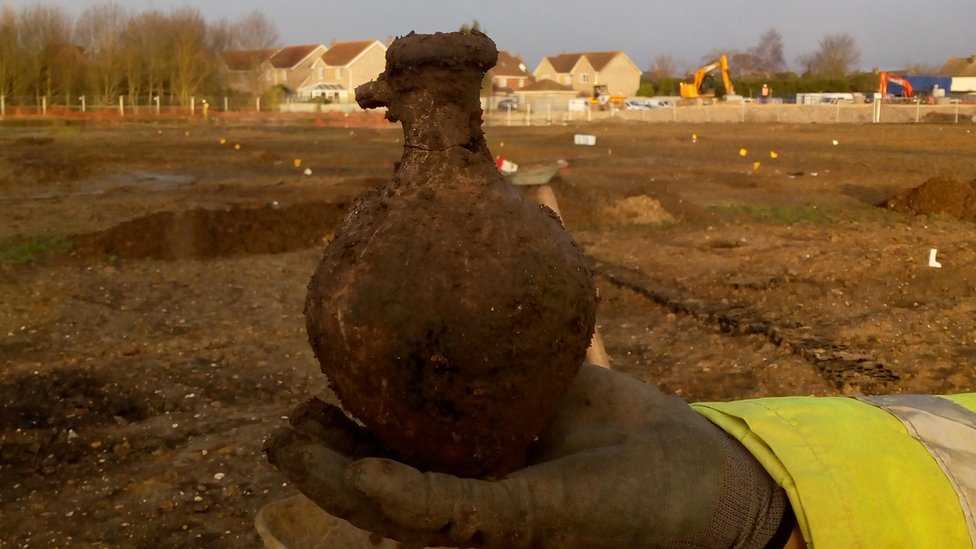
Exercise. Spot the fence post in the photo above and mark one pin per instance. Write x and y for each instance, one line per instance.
(82, 98)
(121, 105)
(918, 110)
(674, 111)
(257, 102)
(193, 105)
(528, 114)
(225, 104)
(3, 105)
(44, 105)
(156, 99)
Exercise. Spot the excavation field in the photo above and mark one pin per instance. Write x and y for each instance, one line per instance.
(152, 279)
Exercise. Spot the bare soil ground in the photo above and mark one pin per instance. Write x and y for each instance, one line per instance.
(153, 277)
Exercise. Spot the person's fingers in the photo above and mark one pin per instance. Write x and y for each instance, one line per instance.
(316, 470)
(468, 512)
(330, 425)
(320, 473)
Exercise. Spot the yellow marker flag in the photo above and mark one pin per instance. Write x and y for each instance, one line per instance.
(298, 162)
(772, 154)
(743, 152)
(755, 165)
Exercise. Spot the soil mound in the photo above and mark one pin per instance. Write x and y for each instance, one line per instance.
(208, 234)
(939, 195)
(638, 210)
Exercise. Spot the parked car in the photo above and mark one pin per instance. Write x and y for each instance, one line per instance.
(635, 104)
(656, 103)
(508, 104)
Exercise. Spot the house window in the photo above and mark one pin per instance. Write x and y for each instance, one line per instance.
(502, 82)
(584, 78)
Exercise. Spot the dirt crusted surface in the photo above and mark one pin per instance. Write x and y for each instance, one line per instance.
(408, 309)
(138, 386)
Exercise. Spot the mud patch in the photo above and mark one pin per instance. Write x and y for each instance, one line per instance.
(209, 234)
(939, 195)
(41, 414)
(67, 398)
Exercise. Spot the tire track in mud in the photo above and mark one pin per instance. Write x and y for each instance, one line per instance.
(839, 364)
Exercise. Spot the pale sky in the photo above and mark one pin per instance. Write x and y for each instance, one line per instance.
(890, 34)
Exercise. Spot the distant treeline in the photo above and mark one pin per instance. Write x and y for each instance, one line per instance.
(110, 51)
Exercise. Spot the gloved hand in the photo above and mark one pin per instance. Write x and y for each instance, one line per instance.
(622, 465)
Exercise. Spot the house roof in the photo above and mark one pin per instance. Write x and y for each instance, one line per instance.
(565, 62)
(245, 60)
(960, 66)
(548, 85)
(509, 65)
(290, 56)
(341, 54)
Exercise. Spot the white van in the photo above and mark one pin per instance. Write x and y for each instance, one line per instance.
(580, 104)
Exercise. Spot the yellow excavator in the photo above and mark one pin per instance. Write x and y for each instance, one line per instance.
(602, 99)
(696, 88)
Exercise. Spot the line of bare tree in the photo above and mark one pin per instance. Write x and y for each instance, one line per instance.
(110, 51)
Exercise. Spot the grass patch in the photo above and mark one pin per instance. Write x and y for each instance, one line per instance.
(27, 250)
(783, 215)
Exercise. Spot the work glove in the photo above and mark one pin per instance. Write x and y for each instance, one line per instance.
(622, 465)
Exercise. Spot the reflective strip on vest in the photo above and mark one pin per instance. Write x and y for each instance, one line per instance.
(948, 432)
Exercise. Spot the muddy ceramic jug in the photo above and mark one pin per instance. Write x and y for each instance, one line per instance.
(450, 312)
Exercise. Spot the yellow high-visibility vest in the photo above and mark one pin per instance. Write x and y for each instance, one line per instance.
(877, 472)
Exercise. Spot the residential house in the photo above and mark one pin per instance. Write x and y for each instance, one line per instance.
(345, 65)
(509, 74)
(546, 95)
(255, 71)
(583, 71)
(963, 73)
(242, 70)
(291, 66)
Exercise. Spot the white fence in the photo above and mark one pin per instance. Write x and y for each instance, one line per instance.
(838, 113)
